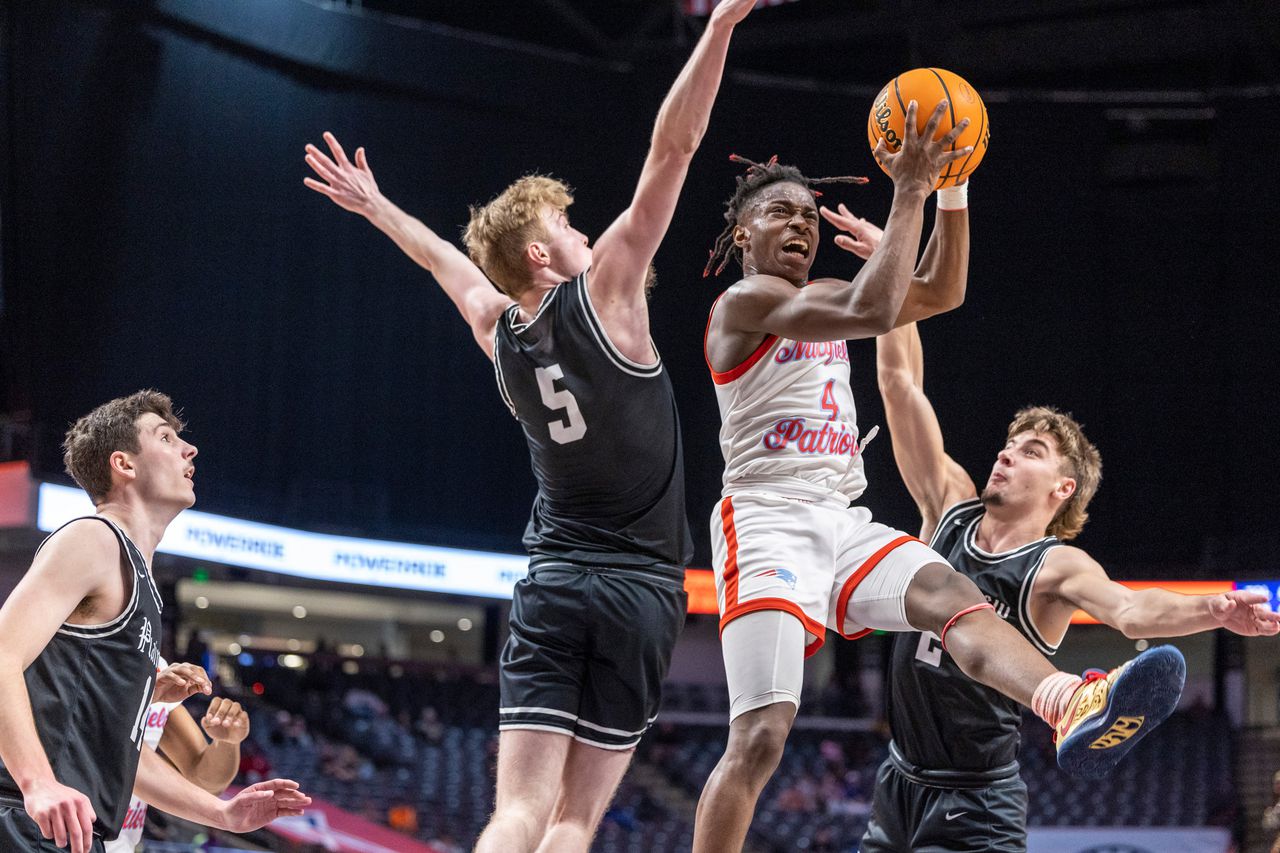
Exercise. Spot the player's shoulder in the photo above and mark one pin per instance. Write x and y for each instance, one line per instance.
(79, 548)
(1064, 560)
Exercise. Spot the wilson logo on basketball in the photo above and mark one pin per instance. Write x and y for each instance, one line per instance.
(882, 113)
(1123, 729)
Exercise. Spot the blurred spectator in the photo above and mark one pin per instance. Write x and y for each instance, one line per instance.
(1271, 817)
(429, 725)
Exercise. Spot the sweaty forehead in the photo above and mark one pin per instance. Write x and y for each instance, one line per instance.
(785, 191)
(1027, 435)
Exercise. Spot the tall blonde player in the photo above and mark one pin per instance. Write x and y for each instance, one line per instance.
(792, 556)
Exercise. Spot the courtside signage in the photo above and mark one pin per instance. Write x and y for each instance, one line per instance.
(343, 559)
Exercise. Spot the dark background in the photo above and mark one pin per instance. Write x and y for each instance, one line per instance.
(156, 232)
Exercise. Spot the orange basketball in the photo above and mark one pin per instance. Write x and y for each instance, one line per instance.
(928, 86)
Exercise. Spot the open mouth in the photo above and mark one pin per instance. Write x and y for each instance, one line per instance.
(796, 246)
(190, 474)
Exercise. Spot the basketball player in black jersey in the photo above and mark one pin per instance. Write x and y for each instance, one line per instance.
(567, 328)
(952, 780)
(79, 642)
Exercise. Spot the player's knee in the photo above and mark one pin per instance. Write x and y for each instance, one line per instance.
(761, 736)
(936, 594)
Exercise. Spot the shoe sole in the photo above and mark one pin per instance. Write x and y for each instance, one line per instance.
(1141, 698)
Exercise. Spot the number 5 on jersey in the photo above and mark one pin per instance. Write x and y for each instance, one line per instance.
(572, 427)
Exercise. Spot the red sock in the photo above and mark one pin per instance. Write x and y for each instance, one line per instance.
(1051, 698)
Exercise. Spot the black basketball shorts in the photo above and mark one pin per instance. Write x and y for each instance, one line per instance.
(908, 817)
(20, 834)
(588, 651)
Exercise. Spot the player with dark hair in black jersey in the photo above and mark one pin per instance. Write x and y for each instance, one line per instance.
(951, 781)
(567, 328)
(79, 644)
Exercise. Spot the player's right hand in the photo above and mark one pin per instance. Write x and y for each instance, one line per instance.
(349, 185)
(920, 160)
(63, 814)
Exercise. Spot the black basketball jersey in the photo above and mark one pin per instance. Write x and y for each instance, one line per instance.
(604, 439)
(90, 689)
(940, 718)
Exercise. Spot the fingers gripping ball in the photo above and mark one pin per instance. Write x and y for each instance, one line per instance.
(928, 86)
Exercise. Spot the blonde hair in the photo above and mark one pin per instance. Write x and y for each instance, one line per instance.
(500, 231)
(1081, 462)
(112, 426)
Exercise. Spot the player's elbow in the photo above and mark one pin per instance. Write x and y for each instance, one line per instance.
(873, 318)
(895, 382)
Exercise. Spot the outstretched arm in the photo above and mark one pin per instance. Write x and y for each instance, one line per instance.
(934, 479)
(1078, 580)
(942, 275)
(623, 252)
(351, 186)
(159, 784)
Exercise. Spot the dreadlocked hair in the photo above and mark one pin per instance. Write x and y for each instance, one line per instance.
(757, 177)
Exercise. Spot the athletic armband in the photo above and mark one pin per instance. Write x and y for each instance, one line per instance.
(954, 198)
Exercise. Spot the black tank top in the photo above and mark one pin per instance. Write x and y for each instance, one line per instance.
(604, 440)
(940, 718)
(89, 690)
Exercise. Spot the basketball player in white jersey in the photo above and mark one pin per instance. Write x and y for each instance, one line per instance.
(171, 731)
(79, 644)
(792, 557)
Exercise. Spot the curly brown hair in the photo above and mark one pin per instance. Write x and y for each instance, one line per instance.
(1081, 462)
(87, 448)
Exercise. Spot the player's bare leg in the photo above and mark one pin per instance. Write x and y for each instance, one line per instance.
(530, 767)
(986, 647)
(728, 801)
(591, 777)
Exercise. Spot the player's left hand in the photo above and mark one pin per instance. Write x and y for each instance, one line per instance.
(225, 721)
(258, 805)
(177, 681)
(730, 12)
(862, 238)
(1245, 613)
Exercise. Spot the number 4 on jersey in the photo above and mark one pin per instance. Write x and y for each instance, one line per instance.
(573, 427)
(829, 401)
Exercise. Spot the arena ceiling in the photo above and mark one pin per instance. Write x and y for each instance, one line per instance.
(1049, 45)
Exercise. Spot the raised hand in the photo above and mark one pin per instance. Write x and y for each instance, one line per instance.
(1245, 613)
(225, 721)
(349, 185)
(258, 805)
(177, 681)
(730, 12)
(63, 814)
(861, 238)
(920, 159)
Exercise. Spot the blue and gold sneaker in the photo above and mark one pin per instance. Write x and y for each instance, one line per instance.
(1111, 712)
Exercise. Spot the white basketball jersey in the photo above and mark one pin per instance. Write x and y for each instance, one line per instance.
(131, 832)
(788, 422)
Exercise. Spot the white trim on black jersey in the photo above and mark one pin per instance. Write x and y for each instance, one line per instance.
(1024, 599)
(520, 328)
(620, 361)
(970, 543)
(949, 515)
(104, 629)
(497, 372)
